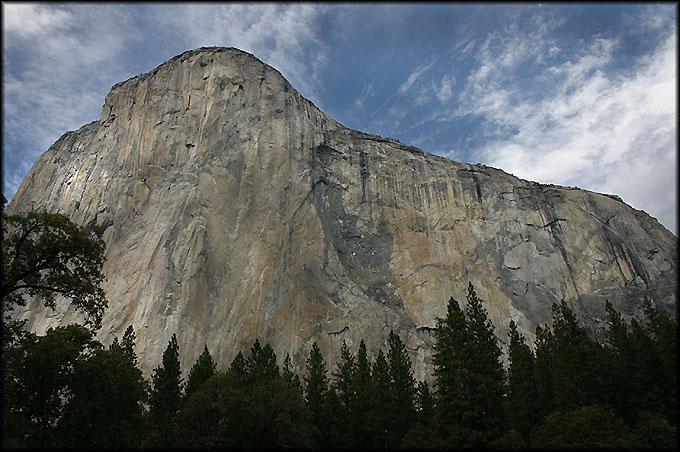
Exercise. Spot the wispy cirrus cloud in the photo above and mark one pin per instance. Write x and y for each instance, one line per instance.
(404, 87)
(605, 130)
(55, 68)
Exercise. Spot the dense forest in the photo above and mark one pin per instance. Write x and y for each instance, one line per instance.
(67, 390)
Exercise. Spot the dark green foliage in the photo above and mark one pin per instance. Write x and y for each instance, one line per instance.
(578, 363)
(46, 255)
(208, 420)
(316, 384)
(401, 414)
(316, 388)
(291, 377)
(344, 388)
(128, 343)
(363, 416)
(65, 390)
(343, 378)
(381, 401)
(239, 369)
(200, 372)
(469, 377)
(521, 402)
(261, 364)
(587, 427)
(39, 375)
(663, 332)
(543, 372)
(223, 413)
(106, 406)
(422, 434)
(643, 373)
(654, 431)
(165, 397)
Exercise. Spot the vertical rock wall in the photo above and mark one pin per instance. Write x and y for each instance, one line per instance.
(234, 209)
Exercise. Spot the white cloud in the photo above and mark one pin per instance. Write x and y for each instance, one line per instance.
(366, 91)
(606, 132)
(446, 88)
(57, 77)
(27, 20)
(413, 77)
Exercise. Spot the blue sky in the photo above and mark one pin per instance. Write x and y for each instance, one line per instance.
(573, 94)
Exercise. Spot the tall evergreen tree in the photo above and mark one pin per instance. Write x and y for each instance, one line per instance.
(128, 343)
(401, 415)
(363, 415)
(624, 372)
(343, 377)
(664, 335)
(450, 369)
(521, 406)
(643, 370)
(166, 394)
(239, 369)
(316, 387)
(342, 385)
(382, 386)
(261, 363)
(484, 413)
(200, 372)
(579, 373)
(289, 376)
(468, 375)
(543, 371)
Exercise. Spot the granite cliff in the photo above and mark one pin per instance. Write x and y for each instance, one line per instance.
(234, 209)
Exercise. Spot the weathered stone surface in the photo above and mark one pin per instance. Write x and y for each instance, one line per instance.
(234, 209)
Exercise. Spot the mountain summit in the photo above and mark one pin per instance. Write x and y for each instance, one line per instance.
(234, 209)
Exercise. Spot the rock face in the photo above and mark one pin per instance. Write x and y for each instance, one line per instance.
(234, 209)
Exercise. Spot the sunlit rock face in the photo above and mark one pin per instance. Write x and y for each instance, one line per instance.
(233, 209)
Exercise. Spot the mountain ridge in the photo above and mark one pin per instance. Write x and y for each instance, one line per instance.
(233, 208)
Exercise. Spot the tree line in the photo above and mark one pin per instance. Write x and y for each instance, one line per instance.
(65, 389)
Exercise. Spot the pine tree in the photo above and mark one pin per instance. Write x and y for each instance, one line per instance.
(402, 390)
(468, 375)
(343, 377)
(521, 405)
(543, 371)
(166, 394)
(239, 369)
(663, 332)
(643, 369)
(579, 373)
(450, 369)
(289, 376)
(261, 363)
(363, 416)
(488, 377)
(316, 387)
(128, 343)
(200, 372)
(381, 401)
